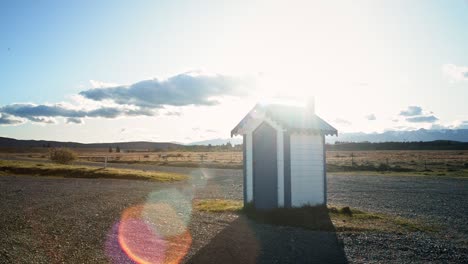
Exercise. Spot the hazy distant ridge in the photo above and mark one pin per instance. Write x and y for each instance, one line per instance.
(404, 136)
(388, 136)
(15, 143)
(460, 135)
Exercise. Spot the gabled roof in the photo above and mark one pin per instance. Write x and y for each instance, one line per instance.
(291, 118)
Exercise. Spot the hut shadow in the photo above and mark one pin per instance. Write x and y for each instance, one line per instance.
(264, 241)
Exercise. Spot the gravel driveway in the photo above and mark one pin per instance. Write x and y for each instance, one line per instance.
(58, 220)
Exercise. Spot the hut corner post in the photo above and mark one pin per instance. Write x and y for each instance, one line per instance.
(244, 170)
(324, 172)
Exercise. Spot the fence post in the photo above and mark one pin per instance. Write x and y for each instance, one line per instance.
(105, 162)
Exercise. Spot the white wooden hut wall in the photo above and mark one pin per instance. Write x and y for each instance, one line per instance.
(307, 169)
(307, 166)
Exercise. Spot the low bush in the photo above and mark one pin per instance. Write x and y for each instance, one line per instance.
(62, 155)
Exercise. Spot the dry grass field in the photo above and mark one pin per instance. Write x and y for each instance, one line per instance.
(453, 162)
(439, 163)
(73, 171)
(224, 159)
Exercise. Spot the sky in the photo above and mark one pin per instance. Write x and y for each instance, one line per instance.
(184, 71)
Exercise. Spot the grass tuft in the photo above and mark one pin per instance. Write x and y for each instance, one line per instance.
(368, 221)
(218, 205)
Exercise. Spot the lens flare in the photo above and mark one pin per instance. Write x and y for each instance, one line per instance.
(156, 230)
(153, 233)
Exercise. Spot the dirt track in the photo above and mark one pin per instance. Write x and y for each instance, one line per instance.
(79, 220)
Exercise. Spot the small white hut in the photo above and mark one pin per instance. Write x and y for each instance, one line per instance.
(284, 156)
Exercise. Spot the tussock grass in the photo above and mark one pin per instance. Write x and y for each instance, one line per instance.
(433, 163)
(218, 205)
(368, 221)
(184, 164)
(74, 171)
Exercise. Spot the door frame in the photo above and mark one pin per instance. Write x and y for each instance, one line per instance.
(254, 163)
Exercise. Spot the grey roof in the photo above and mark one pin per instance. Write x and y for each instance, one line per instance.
(292, 118)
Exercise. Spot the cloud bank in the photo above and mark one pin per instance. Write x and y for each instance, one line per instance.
(422, 119)
(189, 88)
(46, 113)
(412, 111)
(415, 114)
(143, 98)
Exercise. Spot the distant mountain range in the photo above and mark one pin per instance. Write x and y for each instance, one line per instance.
(218, 141)
(460, 135)
(403, 136)
(388, 136)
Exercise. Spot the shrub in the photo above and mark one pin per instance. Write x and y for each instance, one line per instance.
(346, 210)
(383, 167)
(62, 155)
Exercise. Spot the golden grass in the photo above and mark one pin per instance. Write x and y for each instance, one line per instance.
(451, 163)
(387, 162)
(361, 221)
(75, 171)
(218, 205)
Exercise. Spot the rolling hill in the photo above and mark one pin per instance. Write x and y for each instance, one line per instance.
(16, 143)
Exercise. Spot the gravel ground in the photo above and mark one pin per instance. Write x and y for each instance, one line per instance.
(54, 220)
(439, 201)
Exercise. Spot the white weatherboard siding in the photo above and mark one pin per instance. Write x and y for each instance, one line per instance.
(280, 161)
(249, 165)
(307, 181)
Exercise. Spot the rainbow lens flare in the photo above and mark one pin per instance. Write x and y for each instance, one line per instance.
(155, 231)
(152, 233)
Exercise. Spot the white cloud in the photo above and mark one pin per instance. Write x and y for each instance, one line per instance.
(461, 124)
(173, 113)
(457, 124)
(74, 120)
(342, 121)
(6, 119)
(42, 119)
(412, 110)
(189, 88)
(455, 73)
(371, 117)
(422, 119)
(100, 84)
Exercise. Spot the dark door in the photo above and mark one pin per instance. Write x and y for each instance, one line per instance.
(265, 167)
